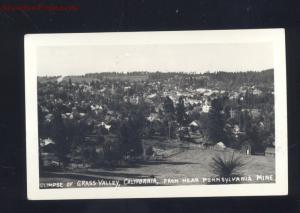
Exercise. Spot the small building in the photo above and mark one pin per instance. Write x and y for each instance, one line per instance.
(152, 96)
(195, 125)
(233, 113)
(255, 113)
(152, 117)
(246, 148)
(220, 146)
(47, 145)
(49, 160)
(270, 151)
(256, 92)
(206, 108)
(183, 133)
(249, 149)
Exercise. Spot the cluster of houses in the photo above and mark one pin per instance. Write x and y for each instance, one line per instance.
(98, 102)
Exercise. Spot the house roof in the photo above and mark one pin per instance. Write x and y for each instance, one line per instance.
(46, 142)
(195, 123)
(221, 144)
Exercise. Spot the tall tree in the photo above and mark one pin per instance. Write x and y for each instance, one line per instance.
(216, 122)
(62, 142)
(168, 105)
(132, 130)
(130, 141)
(70, 84)
(169, 116)
(256, 136)
(180, 111)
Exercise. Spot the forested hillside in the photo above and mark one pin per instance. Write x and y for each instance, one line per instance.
(234, 80)
(215, 80)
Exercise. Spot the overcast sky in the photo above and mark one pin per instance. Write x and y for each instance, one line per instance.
(78, 60)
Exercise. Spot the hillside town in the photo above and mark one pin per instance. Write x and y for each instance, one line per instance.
(115, 119)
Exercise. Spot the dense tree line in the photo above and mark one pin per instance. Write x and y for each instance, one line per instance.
(219, 79)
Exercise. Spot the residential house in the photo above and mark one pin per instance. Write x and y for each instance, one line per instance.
(270, 151)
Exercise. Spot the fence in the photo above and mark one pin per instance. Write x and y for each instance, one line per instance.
(217, 148)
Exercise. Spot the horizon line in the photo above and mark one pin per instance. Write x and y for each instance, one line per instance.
(177, 72)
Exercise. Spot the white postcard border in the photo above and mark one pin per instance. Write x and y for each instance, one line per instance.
(274, 36)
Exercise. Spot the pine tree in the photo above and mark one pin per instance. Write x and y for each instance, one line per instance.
(216, 122)
(180, 111)
(70, 84)
(168, 105)
(62, 143)
(169, 116)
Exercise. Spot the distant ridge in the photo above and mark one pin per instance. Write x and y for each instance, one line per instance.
(218, 79)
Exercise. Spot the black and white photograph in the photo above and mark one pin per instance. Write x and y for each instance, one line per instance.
(156, 114)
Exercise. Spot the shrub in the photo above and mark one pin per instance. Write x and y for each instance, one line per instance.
(149, 151)
(227, 166)
(111, 150)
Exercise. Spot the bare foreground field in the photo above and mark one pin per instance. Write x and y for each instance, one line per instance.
(185, 162)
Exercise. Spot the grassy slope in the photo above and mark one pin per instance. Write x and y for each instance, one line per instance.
(190, 162)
